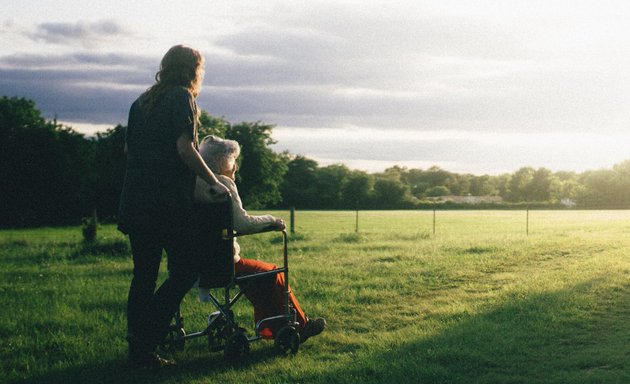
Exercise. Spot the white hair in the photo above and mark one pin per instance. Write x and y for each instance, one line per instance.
(218, 152)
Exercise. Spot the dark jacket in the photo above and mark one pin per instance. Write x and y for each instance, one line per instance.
(158, 187)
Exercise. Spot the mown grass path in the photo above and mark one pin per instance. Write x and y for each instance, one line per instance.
(478, 302)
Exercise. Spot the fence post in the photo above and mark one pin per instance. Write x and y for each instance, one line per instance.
(356, 226)
(433, 221)
(292, 220)
(527, 222)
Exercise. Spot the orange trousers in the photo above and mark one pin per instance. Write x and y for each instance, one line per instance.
(267, 295)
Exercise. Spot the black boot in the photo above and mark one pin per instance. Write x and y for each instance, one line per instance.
(142, 357)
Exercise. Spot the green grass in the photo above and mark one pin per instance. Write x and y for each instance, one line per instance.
(478, 302)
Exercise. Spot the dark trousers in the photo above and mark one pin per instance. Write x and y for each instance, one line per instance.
(149, 312)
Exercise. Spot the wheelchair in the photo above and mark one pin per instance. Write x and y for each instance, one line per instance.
(215, 237)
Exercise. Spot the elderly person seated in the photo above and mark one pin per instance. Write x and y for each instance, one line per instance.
(266, 296)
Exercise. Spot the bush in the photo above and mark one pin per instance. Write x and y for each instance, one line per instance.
(89, 228)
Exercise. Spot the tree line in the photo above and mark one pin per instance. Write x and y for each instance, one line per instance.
(53, 175)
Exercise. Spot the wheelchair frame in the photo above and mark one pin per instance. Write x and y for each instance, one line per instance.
(222, 332)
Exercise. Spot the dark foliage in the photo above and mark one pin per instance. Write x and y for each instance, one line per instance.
(52, 175)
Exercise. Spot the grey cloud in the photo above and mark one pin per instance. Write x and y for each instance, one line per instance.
(223, 71)
(60, 95)
(78, 87)
(296, 44)
(396, 150)
(84, 32)
(458, 155)
(275, 93)
(292, 76)
(71, 61)
(320, 105)
(116, 59)
(344, 31)
(337, 48)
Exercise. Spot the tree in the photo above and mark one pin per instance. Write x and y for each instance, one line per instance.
(459, 184)
(357, 189)
(390, 193)
(416, 181)
(110, 169)
(597, 188)
(261, 170)
(45, 168)
(299, 186)
(439, 190)
(329, 183)
(539, 187)
(518, 184)
(436, 176)
(621, 175)
(501, 184)
(421, 182)
(482, 186)
(75, 176)
(565, 186)
(606, 188)
(211, 125)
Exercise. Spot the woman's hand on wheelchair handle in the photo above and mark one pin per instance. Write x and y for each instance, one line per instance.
(219, 192)
(280, 225)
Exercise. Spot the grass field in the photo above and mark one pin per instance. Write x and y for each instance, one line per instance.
(481, 301)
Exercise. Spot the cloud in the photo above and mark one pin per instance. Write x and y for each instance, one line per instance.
(78, 61)
(458, 151)
(86, 33)
(69, 95)
(82, 87)
(404, 66)
(409, 66)
(415, 72)
(483, 68)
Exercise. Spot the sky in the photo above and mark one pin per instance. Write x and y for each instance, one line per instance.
(471, 86)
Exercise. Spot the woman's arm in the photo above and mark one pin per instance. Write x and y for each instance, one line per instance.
(191, 157)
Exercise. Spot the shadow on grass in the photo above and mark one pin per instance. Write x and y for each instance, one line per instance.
(567, 336)
(196, 365)
(555, 337)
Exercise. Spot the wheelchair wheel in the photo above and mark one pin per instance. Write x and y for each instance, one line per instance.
(236, 346)
(217, 334)
(287, 340)
(174, 340)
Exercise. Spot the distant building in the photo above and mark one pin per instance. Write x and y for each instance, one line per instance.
(471, 199)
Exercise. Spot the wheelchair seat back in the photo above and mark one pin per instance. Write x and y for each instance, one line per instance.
(215, 239)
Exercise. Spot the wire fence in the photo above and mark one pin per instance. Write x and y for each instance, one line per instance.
(437, 222)
(431, 222)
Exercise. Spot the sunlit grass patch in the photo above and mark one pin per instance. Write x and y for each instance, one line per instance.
(481, 301)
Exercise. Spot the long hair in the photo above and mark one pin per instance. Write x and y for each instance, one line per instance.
(181, 66)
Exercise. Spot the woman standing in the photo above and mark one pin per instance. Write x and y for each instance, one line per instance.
(156, 205)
